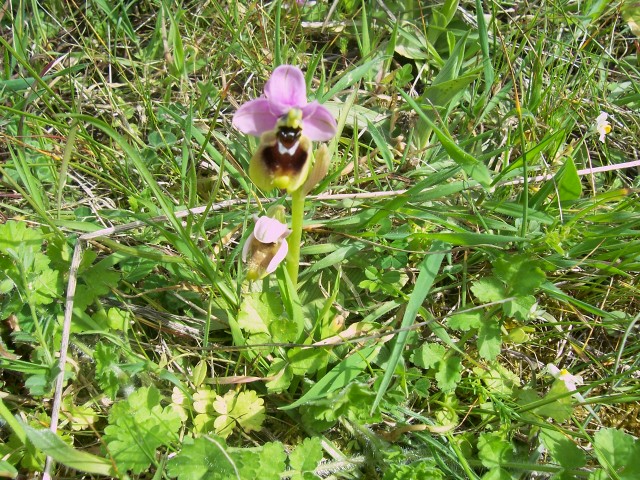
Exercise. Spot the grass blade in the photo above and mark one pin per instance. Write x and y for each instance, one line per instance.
(428, 270)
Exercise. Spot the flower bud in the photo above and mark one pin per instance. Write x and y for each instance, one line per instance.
(265, 248)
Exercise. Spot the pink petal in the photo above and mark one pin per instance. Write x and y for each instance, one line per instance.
(255, 117)
(270, 230)
(247, 245)
(278, 257)
(286, 89)
(320, 124)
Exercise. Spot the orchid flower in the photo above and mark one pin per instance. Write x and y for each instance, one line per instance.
(265, 248)
(602, 125)
(286, 124)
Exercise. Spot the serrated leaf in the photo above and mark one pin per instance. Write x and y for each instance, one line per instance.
(137, 427)
(284, 329)
(258, 310)
(560, 409)
(489, 339)
(338, 377)
(109, 375)
(44, 287)
(465, 321)
(522, 275)
(449, 373)
(428, 355)
(498, 378)
(307, 455)
(101, 278)
(563, 449)
(489, 289)
(619, 450)
(204, 458)
(243, 410)
(55, 447)
(281, 375)
(307, 361)
(15, 235)
(266, 462)
(203, 399)
(352, 402)
(493, 450)
(519, 308)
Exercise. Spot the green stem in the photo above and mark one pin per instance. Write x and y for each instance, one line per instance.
(294, 240)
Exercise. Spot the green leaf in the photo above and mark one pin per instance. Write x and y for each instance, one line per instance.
(109, 374)
(307, 361)
(428, 355)
(618, 451)
(489, 339)
(489, 289)
(498, 378)
(257, 311)
(519, 308)
(266, 462)
(281, 374)
(137, 427)
(440, 94)
(497, 474)
(560, 409)
(352, 402)
(56, 448)
(563, 449)
(284, 329)
(238, 410)
(306, 456)
(494, 450)
(7, 470)
(465, 321)
(420, 470)
(339, 376)
(203, 458)
(101, 278)
(449, 373)
(16, 235)
(428, 269)
(568, 181)
(520, 273)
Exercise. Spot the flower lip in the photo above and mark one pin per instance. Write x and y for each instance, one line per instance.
(285, 92)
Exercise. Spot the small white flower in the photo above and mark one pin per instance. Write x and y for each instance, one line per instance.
(602, 125)
(571, 381)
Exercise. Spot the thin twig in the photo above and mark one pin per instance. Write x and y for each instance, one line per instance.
(64, 346)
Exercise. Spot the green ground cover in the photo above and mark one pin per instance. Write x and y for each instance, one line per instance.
(465, 303)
